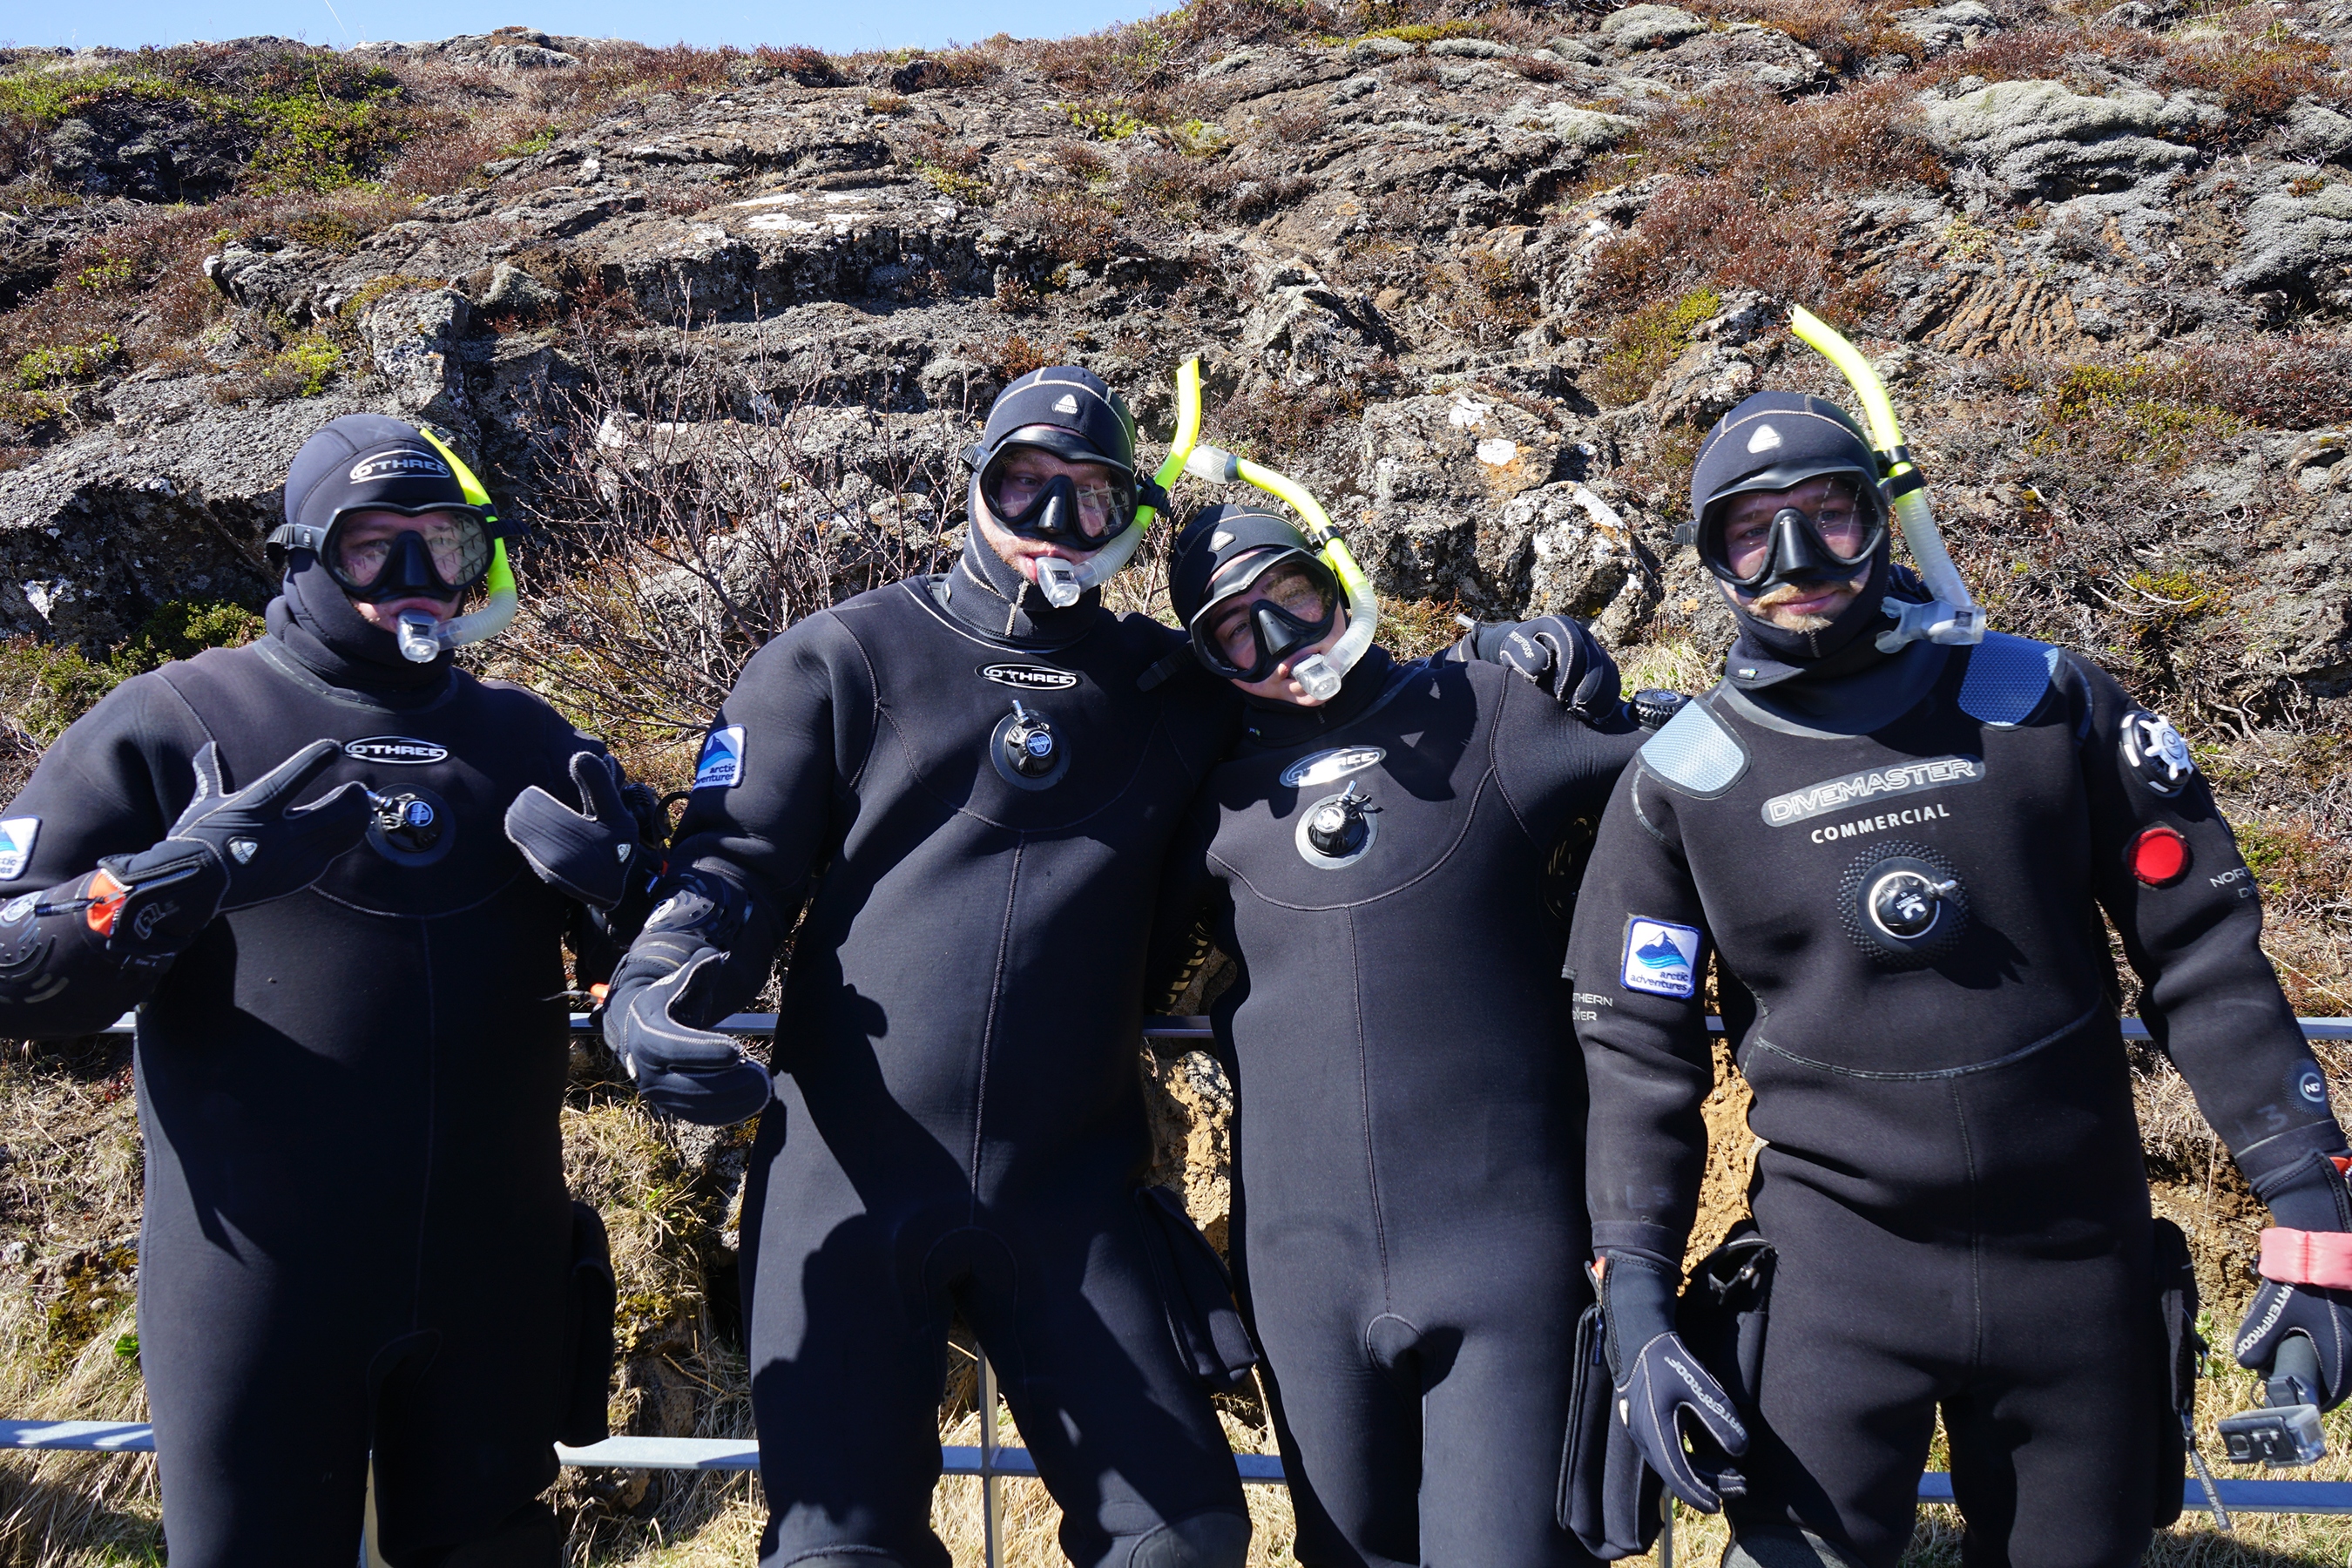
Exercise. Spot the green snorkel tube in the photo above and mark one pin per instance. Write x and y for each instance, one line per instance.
(1320, 673)
(1063, 582)
(1952, 616)
(423, 639)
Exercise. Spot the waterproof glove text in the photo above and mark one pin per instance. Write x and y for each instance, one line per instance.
(1662, 1388)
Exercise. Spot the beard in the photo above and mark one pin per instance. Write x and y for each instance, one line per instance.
(1766, 606)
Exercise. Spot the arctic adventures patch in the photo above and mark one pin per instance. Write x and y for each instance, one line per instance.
(16, 836)
(1326, 767)
(1872, 783)
(721, 766)
(1027, 677)
(1661, 957)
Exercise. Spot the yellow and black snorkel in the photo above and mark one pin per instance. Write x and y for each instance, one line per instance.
(423, 639)
(1320, 673)
(1065, 582)
(1951, 617)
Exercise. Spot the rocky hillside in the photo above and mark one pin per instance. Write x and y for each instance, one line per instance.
(715, 323)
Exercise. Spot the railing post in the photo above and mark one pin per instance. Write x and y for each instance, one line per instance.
(992, 1493)
(1666, 1531)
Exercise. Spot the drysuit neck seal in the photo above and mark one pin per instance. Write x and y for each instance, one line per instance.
(988, 593)
(319, 626)
(1275, 723)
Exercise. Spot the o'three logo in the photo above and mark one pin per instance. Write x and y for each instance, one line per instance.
(397, 749)
(1324, 767)
(1027, 677)
(406, 463)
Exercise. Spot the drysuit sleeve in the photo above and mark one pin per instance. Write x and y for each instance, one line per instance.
(112, 785)
(1637, 953)
(1554, 762)
(773, 789)
(2170, 876)
(1181, 934)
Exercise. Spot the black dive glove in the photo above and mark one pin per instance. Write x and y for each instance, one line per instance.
(232, 851)
(680, 977)
(2311, 1241)
(74, 956)
(1660, 1384)
(1556, 653)
(589, 856)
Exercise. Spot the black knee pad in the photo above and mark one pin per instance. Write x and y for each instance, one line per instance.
(527, 1538)
(1198, 1540)
(846, 1560)
(1783, 1546)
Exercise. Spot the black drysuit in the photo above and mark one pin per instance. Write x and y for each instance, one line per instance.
(958, 1121)
(1950, 1165)
(1409, 1207)
(356, 1232)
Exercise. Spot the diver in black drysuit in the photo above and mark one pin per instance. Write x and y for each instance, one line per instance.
(971, 792)
(356, 1235)
(1899, 861)
(1409, 1221)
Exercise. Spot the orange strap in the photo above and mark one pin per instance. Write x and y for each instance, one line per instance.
(2322, 1257)
(106, 900)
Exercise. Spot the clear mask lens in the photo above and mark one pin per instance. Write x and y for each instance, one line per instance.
(1080, 510)
(1285, 607)
(453, 547)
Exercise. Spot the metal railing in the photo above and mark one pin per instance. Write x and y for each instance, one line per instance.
(991, 1462)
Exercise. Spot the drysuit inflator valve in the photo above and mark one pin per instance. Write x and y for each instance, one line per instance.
(1030, 748)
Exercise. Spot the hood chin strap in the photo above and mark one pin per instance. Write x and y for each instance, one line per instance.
(1949, 615)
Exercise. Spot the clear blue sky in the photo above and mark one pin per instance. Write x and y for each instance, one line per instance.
(840, 27)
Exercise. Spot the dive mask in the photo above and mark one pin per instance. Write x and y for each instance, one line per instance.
(444, 555)
(1266, 608)
(1834, 542)
(1057, 508)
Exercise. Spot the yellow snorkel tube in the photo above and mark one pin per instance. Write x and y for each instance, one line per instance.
(423, 639)
(1063, 582)
(1952, 616)
(1320, 673)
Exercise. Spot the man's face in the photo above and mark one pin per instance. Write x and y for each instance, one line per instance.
(1230, 627)
(1747, 536)
(1020, 479)
(362, 544)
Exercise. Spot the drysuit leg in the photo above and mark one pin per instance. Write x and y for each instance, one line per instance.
(1494, 1417)
(848, 1364)
(1862, 1326)
(530, 1537)
(1350, 1429)
(464, 1435)
(257, 1378)
(1121, 1430)
(2053, 1456)
(261, 1426)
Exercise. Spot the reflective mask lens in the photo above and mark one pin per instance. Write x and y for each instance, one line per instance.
(1286, 606)
(1036, 504)
(435, 554)
(1755, 550)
